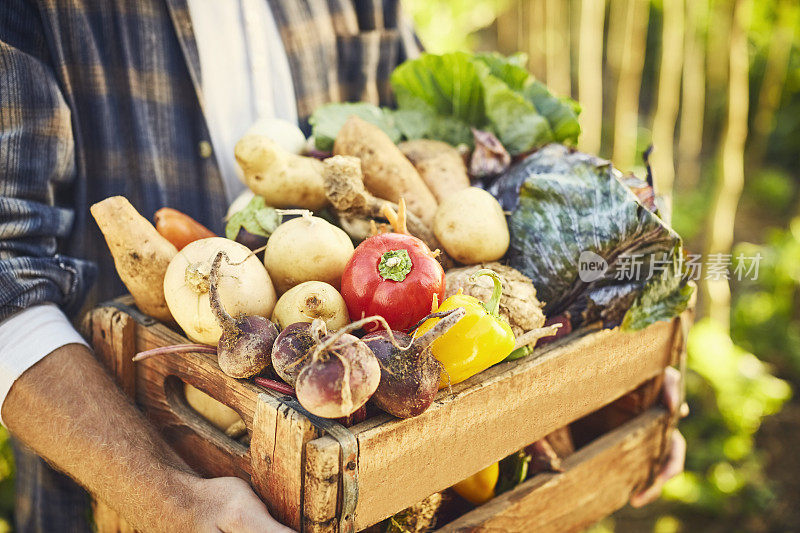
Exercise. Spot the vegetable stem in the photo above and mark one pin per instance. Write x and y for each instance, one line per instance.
(224, 318)
(176, 349)
(493, 305)
(441, 327)
(276, 386)
(535, 334)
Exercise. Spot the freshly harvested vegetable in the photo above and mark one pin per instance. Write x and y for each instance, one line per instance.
(253, 224)
(410, 374)
(307, 248)
(245, 288)
(341, 372)
(328, 120)
(439, 164)
(220, 415)
(344, 186)
(310, 300)
(387, 172)
(489, 157)
(478, 488)
(141, 254)
(283, 132)
(245, 346)
(393, 275)
(239, 203)
(513, 471)
(479, 340)
(587, 242)
(471, 226)
(419, 518)
(519, 305)
(284, 179)
(179, 228)
(291, 350)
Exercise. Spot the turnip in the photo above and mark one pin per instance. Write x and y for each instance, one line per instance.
(409, 373)
(291, 350)
(244, 286)
(245, 346)
(340, 372)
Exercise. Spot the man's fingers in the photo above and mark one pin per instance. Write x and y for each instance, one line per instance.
(672, 467)
(684, 410)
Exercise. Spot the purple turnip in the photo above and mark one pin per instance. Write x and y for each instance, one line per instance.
(409, 371)
(245, 347)
(291, 350)
(340, 373)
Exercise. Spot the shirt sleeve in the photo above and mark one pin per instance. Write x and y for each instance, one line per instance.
(27, 337)
(36, 163)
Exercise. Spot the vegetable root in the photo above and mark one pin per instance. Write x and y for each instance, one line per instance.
(175, 350)
(141, 254)
(388, 174)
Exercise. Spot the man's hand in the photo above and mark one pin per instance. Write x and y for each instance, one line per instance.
(670, 396)
(67, 408)
(233, 507)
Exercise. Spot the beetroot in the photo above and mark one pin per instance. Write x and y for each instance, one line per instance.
(409, 371)
(340, 374)
(291, 350)
(245, 346)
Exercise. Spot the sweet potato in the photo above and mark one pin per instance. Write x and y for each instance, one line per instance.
(141, 254)
(388, 174)
(439, 164)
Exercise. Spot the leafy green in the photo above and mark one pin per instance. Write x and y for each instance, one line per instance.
(257, 218)
(566, 204)
(444, 96)
(329, 119)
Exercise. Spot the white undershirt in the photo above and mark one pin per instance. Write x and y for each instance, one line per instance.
(245, 76)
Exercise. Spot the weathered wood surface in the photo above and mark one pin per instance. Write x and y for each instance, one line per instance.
(403, 461)
(400, 461)
(597, 480)
(279, 437)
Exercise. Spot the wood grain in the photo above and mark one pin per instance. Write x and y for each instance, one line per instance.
(277, 450)
(597, 480)
(403, 461)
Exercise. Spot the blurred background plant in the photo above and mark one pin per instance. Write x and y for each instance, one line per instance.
(714, 85)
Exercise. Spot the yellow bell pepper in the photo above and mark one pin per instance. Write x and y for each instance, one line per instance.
(477, 341)
(478, 488)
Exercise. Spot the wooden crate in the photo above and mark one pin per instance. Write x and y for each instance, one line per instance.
(308, 482)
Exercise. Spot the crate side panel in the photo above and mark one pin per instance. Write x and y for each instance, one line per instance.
(500, 411)
(597, 480)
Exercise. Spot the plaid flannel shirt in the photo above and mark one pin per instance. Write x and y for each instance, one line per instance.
(102, 98)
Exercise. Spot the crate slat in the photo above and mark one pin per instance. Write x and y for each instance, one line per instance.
(403, 461)
(592, 485)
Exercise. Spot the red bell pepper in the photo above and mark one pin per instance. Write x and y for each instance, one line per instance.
(394, 275)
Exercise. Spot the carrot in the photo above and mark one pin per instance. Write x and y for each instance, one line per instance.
(141, 254)
(180, 229)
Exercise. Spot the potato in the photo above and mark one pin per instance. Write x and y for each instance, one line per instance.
(284, 179)
(307, 248)
(471, 226)
(439, 164)
(310, 300)
(387, 172)
(220, 415)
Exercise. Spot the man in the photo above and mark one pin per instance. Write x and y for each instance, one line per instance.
(144, 99)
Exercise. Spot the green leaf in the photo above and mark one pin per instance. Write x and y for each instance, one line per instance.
(514, 120)
(326, 121)
(256, 218)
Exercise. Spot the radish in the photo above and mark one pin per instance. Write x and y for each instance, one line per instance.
(410, 373)
(340, 372)
(291, 349)
(245, 347)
